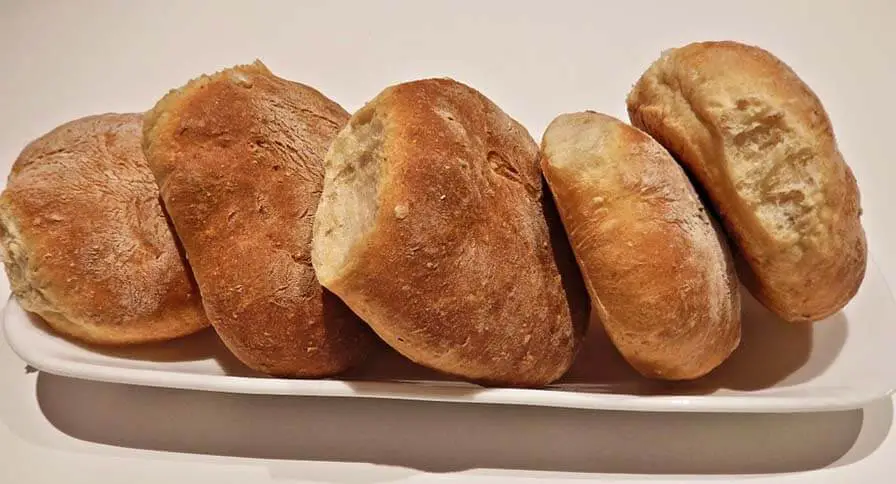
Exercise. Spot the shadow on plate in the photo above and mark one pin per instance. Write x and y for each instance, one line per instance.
(772, 353)
(384, 361)
(440, 437)
(202, 345)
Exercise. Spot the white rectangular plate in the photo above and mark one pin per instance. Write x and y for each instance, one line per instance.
(843, 362)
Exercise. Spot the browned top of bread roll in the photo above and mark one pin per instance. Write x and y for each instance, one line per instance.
(761, 145)
(659, 274)
(431, 228)
(238, 156)
(85, 242)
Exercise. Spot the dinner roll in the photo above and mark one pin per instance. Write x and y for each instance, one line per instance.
(85, 242)
(431, 228)
(659, 274)
(238, 159)
(760, 144)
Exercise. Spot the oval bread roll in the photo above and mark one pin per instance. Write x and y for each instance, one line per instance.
(659, 274)
(238, 159)
(85, 242)
(761, 145)
(431, 228)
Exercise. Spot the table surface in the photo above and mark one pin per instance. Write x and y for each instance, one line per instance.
(63, 60)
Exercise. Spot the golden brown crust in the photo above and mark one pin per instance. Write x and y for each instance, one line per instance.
(238, 158)
(85, 242)
(660, 276)
(761, 145)
(456, 270)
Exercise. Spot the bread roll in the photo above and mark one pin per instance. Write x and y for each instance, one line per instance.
(431, 228)
(761, 145)
(238, 157)
(85, 242)
(660, 276)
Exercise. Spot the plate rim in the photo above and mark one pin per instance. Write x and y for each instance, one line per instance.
(15, 327)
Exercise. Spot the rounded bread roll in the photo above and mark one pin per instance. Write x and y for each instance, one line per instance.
(431, 228)
(85, 242)
(238, 159)
(659, 274)
(760, 144)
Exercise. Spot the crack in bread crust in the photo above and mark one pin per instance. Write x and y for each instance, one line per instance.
(456, 270)
(761, 145)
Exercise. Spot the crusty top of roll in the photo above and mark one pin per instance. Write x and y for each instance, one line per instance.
(85, 241)
(660, 275)
(759, 141)
(431, 228)
(238, 159)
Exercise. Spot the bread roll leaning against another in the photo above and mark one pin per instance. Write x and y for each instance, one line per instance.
(85, 242)
(759, 142)
(238, 159)
(430, 227)
(659, 274)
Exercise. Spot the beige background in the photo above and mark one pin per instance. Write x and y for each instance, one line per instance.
(62, 60)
